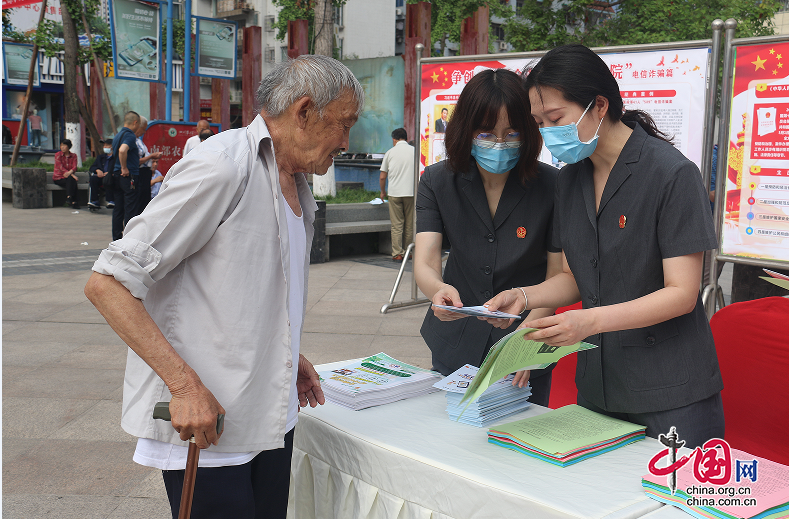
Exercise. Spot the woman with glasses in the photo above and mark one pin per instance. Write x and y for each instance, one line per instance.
(633, 220)
(493, 202)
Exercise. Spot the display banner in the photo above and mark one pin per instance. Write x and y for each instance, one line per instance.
(136, 33)
(670, 85)
(17, 57)
(756, 215)
(170, 137)
(216, 48)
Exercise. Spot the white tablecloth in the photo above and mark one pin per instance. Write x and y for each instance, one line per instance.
(409, 460)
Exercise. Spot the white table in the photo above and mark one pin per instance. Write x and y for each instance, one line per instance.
(409, 460)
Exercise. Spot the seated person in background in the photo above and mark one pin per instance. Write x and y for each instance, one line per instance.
(65, 174)
(204, 134)
(156, 179)
(98, 176)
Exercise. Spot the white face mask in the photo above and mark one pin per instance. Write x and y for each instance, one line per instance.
(107, 150)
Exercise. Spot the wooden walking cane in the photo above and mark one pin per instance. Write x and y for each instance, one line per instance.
(161, 411)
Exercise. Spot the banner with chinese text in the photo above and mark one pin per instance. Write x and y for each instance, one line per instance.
(670, 85)
(136, 34)
(756, 214)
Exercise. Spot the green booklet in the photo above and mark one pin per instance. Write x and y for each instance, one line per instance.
(512, 353)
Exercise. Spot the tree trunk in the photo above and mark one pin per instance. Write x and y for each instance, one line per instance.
(323, 185)
(70, 65)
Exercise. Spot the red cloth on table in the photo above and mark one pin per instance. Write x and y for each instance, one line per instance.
(752, 342)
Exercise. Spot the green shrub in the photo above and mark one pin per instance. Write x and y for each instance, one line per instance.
(350, 196)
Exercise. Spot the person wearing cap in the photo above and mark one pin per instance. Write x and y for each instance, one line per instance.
(99, 179)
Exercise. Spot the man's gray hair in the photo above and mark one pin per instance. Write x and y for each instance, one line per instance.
(321, 78)
(143, 121)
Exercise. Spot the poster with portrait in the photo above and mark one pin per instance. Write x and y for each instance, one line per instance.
(136, 36)
(670, 85)
(756, 213)
(17, 58)
(216, 48)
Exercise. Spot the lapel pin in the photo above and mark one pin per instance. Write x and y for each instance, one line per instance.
(521, 232)
(622, 221)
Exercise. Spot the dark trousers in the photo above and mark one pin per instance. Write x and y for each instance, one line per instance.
(96, 187)
(255, 490)
(125, 204)
(696, 423)
(70, 185)
(143, 188)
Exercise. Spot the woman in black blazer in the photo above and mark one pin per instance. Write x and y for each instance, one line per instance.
(493, 202)
(632, 219)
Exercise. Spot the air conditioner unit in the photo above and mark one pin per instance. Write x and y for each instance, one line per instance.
(398, 11)
(503, 45)
(269, 23)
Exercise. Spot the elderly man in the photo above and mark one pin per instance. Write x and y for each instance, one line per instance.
(220, 259)
(194, 140)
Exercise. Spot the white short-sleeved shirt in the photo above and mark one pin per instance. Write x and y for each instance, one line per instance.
(398, 163)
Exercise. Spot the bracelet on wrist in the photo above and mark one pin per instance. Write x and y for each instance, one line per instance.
(525, 299)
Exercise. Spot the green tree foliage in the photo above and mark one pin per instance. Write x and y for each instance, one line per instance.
(542, 24)
(447, 17)
(292, 10)
(49, 35)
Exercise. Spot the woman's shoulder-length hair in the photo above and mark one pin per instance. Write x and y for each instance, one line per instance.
(478, 110)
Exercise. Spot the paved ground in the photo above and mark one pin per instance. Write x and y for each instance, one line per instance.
(64, 453)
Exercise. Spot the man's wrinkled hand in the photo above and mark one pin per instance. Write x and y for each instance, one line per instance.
(308, 384)
(124, 172)
(194, 412)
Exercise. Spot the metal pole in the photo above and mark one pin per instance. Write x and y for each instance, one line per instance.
(709, 114)
(723, 152)
(33, 63)
(168, 104)
(187, 60)
(417, 153)
(100, 70)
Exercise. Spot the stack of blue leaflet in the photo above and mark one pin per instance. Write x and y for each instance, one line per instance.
(499, 400)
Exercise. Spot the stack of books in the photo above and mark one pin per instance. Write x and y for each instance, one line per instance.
(499, 400)
(566, 435)
(765, 498)
(376, 380)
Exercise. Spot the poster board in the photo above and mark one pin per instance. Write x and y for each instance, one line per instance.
(668, 84)
(136, 39)
(16, 61)
(169, 137)
(756, 211)
(216, 48)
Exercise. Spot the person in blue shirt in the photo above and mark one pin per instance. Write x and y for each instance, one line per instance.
(125, 173)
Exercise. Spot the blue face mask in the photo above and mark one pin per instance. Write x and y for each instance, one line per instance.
(564, 144)
(497, 159)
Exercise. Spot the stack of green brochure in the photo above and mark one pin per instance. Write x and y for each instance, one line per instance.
(566, 435)
(512, 353)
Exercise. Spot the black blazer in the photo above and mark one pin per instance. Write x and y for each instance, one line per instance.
(488, 255)
(653, 207)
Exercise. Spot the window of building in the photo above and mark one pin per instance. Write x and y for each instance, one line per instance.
(283, 53)
(338, 16)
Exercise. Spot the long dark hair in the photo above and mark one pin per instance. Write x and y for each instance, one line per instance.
(581, 75)
(478, 109)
